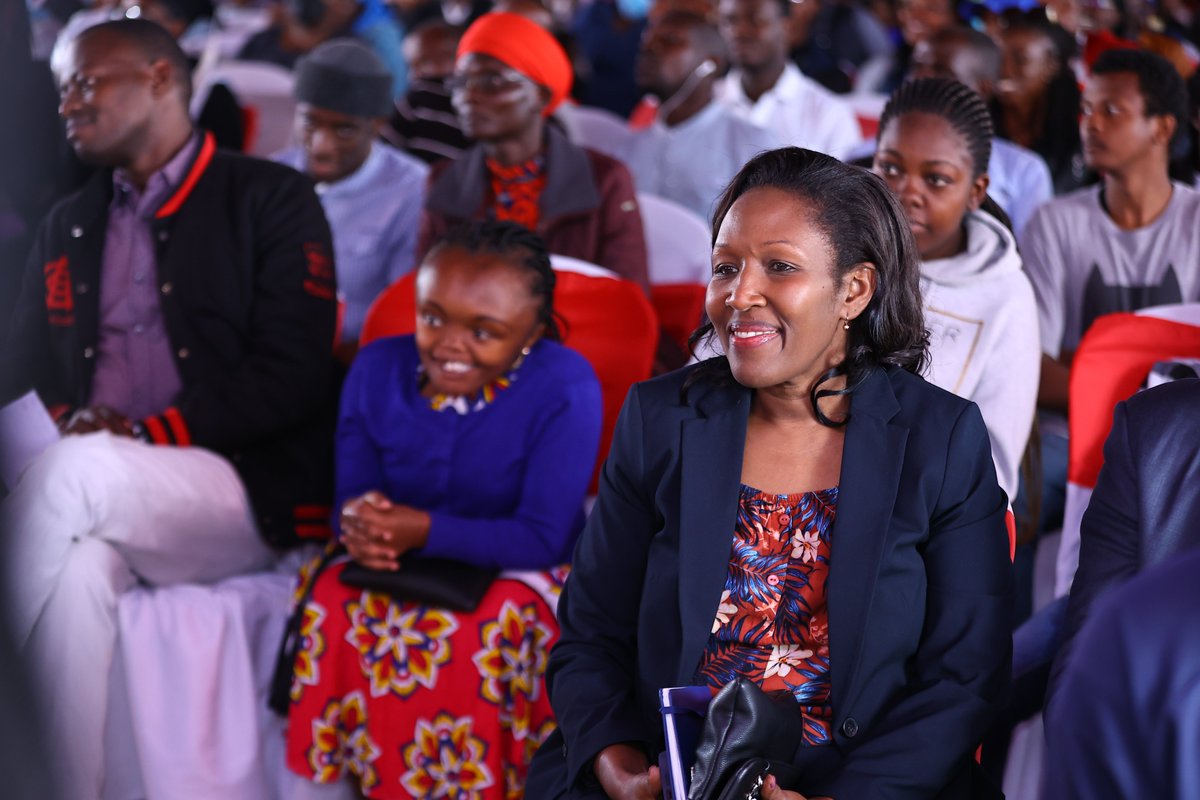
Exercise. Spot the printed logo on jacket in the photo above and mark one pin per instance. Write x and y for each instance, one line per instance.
(60, 301)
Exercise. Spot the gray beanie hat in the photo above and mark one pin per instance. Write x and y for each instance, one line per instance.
(345, 76)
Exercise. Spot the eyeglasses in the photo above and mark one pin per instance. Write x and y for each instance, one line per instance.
(485, 82)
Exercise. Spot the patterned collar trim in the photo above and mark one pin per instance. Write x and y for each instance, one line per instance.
(517, 173)
(467, 404)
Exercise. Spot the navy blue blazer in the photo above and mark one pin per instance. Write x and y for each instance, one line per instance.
(919, 591)
(1145, 508)
(1126, 720)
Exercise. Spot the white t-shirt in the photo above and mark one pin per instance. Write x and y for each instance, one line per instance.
(1082, 265)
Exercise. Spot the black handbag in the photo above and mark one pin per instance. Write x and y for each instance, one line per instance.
(744, 724)
(432, 581)
(747, 781)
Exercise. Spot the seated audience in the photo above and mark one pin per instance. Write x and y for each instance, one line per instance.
(510, 76)
(608, 34)
(1126, 722)
(473, 440)
(1128, 243)
(696, 144)
(1145, 507)
(766, 88)
(917, 21)
(176, 317)
(301, 25)
(806, 514)
(831, 41)
(372, 194)
(1018, 178)
(1037, 100)
(534, 10)
(934, 147)
(423, 123)
(33, 173)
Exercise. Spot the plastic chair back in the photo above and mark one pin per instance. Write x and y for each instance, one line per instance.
(393, 312)
(678, 248)
(264, 88)
(680, 308)
(1111, 363)
(595, 129)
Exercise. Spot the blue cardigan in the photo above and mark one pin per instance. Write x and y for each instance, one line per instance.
(505, 484)
(919, 588)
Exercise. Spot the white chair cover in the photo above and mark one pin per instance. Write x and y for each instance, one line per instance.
(266, 88)
(569, 264)
(196, 663)
(595, 128)
(678, 242)
(1185, 313)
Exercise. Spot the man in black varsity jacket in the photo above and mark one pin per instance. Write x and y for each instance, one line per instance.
(178, 318)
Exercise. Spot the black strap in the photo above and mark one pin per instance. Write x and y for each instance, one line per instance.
(280, 698)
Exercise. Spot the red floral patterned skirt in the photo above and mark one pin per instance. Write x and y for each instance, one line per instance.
(414, 701)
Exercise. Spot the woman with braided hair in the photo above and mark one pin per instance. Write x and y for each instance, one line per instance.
(934, 145)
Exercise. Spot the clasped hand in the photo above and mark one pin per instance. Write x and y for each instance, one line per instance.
(377, 532)
(96, 418)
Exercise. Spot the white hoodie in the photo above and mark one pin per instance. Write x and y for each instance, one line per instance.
(983, 330)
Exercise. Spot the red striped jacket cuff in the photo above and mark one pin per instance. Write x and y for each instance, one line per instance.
(59, 412)
(312, 522)
(167, 428)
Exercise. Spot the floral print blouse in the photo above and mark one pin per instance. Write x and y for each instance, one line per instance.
(772, 624)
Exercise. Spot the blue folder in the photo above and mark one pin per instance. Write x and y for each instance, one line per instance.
(683, 709)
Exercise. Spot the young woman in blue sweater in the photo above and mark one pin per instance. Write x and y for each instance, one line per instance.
(472, 440)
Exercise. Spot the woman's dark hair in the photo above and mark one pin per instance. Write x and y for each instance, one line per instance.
(863, 223)
(963, 109)
(1058, 140)
(523, 248)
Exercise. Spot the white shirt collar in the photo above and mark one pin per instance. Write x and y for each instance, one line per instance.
(791, 84)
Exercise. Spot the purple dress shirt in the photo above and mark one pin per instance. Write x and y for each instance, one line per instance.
(135, 369)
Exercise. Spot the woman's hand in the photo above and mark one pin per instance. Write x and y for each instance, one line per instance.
(366, 545)
(377, 532)
(771, 790)
(626, 774)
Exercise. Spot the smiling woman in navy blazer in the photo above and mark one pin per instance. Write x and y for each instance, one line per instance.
(893, 600)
